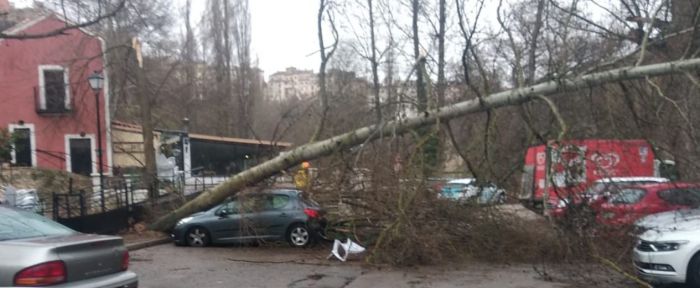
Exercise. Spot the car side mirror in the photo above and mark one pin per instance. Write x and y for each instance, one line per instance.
(223, 213)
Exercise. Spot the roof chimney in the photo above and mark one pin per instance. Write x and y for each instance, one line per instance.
(5, 6)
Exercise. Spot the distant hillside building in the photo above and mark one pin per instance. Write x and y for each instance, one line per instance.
(292, 83)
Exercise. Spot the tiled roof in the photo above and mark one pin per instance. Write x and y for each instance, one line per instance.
(17, 17)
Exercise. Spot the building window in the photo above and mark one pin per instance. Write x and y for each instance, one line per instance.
(80, 154)
(54, 91)
(24, 147)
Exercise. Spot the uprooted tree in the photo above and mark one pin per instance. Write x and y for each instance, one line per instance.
(363, 135)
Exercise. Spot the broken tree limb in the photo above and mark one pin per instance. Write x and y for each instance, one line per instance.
(350, 139)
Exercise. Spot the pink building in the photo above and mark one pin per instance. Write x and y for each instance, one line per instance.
(45, 98)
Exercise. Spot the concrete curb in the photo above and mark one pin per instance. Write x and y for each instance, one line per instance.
(146, 244)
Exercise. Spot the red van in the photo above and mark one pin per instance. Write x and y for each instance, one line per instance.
(574, 165)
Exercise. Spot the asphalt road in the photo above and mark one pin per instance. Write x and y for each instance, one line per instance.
(212, 267)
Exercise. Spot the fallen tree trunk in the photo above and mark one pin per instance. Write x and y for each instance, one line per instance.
(344, 141)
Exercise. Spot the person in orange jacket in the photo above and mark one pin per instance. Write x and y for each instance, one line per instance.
(301, 178)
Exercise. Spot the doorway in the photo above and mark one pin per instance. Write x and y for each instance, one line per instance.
(80, 150)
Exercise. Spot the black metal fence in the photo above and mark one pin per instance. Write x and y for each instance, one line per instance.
(87, 212)
(82, 203)
(124, 201)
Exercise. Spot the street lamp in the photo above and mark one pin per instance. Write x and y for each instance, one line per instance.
(96, 82)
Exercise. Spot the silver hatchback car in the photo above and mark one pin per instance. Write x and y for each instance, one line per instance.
(35, 251)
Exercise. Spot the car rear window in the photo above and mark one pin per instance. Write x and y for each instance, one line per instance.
(686, 197)
(308, 202)
(16, 224)
(628, 196)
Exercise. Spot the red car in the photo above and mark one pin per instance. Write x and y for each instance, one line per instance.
(599, 192)
(636, 201)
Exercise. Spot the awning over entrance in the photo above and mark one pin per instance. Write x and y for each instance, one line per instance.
(208, 154)
(226, 155)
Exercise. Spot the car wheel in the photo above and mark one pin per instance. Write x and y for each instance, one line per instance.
(693, 277)
(197, 237)
(298, 235)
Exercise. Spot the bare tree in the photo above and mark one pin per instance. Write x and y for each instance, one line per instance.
(245, 76)
(326, 53)
(353, 138)
(421, 91)
(441, 82)
(189, 51)
(532, 50)
(374, 62)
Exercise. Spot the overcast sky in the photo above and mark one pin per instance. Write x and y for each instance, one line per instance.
(284, 32)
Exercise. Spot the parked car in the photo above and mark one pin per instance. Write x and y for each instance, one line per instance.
(600, 192)
(435, 184)
(466, 189)
(35, 251)
(459, 189)
(490, 194)
(636, 201)
(668, 251)
(276, 214)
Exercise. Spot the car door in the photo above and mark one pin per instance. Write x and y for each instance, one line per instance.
(280, 213)
(621, 208)
(274, 213)
(252, 216)
(226, 225)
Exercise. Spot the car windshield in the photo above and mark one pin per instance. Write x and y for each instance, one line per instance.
(628, 196)
(15, 224)
(453, 187)
(600, 187)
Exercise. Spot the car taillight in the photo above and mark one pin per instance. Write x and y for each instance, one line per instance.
(311, 213)
(125, 261)
(43, 274)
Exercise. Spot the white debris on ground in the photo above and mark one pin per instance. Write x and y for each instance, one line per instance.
(27, 199)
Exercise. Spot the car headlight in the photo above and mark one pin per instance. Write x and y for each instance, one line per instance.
(562, 204)
(183, 221)
(666, 245)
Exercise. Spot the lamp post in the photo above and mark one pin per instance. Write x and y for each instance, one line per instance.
(96, 83)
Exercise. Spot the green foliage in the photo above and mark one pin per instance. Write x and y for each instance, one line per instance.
(431, 151)
(429, 143)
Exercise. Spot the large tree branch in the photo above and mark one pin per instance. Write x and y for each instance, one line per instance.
(64, 29)
(344, 141)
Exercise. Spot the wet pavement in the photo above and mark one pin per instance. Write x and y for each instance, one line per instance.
(278, 266)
